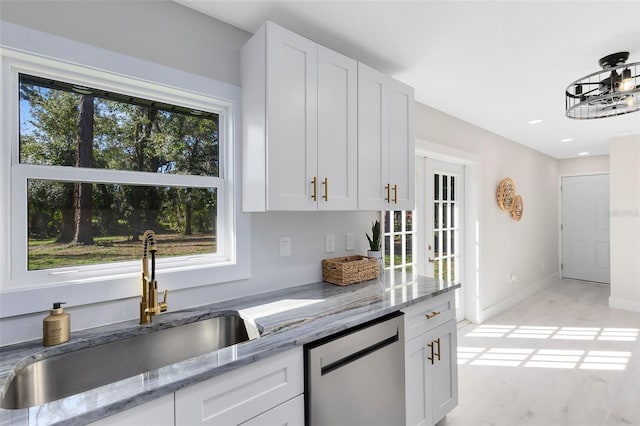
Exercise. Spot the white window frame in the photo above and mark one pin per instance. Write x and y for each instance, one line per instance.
(23, 291)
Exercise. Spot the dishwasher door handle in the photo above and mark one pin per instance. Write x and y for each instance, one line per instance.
(359, 354)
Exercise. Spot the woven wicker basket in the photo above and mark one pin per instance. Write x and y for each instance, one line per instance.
(349, 269)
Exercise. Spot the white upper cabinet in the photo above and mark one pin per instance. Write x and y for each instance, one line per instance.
(299, 131)
(373, 139)
(401, 146)
(337, 131)
(279, 100)
(319, 128)
(385, 142)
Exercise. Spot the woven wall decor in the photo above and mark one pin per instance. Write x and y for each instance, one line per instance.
(517, 208)
(506, 192)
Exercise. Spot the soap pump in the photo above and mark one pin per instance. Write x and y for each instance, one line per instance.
(56, 328)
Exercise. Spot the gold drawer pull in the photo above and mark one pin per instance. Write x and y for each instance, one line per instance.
(430, 358)
(326, 189)
(388, 189)
(432, 314)
(315, 188)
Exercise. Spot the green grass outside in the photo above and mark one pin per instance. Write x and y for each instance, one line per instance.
(47, 254)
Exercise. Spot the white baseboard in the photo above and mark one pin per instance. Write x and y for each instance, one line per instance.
(505, 304)
(627, 305)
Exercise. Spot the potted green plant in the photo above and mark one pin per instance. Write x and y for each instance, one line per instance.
(375, 242)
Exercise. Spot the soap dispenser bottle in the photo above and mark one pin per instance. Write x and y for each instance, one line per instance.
(56, 328)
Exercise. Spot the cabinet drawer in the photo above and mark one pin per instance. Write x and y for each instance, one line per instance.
(242, 394)
(291, 413)
(424, 316)
(158, 412)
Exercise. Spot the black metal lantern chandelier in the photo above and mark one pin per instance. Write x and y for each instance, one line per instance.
(613, 91)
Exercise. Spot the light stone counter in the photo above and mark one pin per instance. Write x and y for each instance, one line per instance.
(287, 318)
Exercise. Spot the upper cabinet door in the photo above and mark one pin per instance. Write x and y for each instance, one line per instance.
(291, 114)
(337, 131)
(401, 146)
(373, 139)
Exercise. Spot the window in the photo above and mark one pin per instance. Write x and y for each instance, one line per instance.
(74, 220)
(90, 159)
(399, 241)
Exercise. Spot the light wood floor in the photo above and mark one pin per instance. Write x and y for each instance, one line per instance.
(561, 357)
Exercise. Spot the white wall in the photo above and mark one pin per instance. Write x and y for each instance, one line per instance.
(505, 246)
(161, 32)
(624, 204)
(583, 165)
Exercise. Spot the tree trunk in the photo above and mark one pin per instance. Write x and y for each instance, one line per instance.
(83, 197)
(67, 221)
(188, 213)
(143, 134)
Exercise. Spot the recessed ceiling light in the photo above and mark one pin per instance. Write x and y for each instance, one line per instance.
(535, 121)
(566, 140)
(583, 153)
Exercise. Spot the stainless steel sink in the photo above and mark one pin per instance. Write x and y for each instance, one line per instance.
(84, 369)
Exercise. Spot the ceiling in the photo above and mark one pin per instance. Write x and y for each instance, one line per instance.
(496, 64)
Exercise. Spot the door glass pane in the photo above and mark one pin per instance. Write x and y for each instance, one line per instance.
(453, 188)
(436, 215)
(436, 244)
(445, 214)
(452, 211)
(386, 222)
(397, 221)
(387, 252)
(409, 221)
(409, 248)
(445, 240)
(445, 185)
(436, 186)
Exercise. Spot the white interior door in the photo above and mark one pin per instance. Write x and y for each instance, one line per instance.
(585, 228)
(441, 199)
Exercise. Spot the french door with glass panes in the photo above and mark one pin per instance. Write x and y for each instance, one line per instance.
(398, 240)
(444, 206)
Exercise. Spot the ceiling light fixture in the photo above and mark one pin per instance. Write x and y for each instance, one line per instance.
(566, 140)
(613, 91)
(583, 153)
(535, 121)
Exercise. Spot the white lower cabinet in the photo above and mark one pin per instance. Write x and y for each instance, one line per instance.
(291, 413)
(158, 412)
(431, 371)
(244, 394)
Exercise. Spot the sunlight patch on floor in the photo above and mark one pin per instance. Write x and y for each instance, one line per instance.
(543, 358)
(555, 333)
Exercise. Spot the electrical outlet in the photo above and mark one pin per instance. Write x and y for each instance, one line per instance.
(349, 241)
(285, 246)
(329, 243)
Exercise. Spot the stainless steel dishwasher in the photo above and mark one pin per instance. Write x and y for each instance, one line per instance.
(356, 377)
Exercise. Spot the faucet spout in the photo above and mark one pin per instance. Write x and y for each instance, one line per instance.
(149, 304)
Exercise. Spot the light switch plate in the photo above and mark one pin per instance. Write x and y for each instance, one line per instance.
(329, 243)
(285, 246)
(349, 241)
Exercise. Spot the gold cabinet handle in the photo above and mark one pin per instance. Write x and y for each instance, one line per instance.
(395, 194)
(432, 314)
(438, 354)
(326, 189)
(315, 189)
(430, 358)
(388, 189)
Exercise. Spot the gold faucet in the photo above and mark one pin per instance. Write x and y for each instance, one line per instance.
(149, 305)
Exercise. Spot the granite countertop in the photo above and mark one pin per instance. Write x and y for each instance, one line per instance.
(287, 318)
